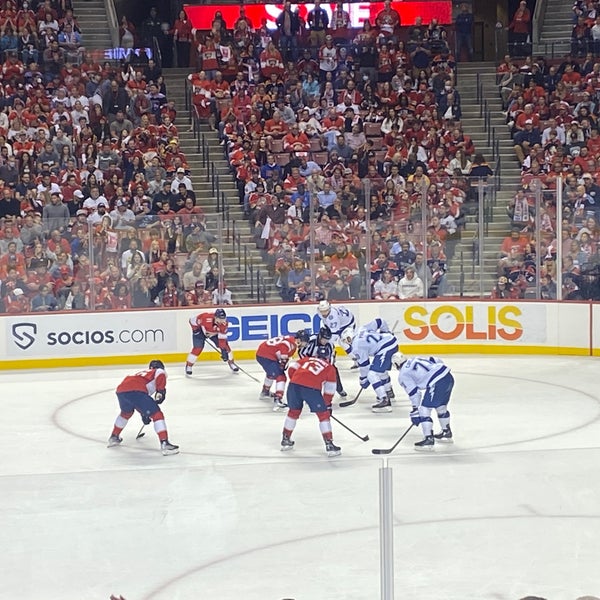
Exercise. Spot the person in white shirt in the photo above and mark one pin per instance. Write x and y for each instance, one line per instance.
(222, 295)
(181, 177)
(553, 127)
(410, 286)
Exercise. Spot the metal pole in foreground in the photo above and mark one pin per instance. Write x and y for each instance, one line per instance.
(386, 532)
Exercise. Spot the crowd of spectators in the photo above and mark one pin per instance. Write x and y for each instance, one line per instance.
(585, 35)
(97, 208)
(552, 111)
(346, 145)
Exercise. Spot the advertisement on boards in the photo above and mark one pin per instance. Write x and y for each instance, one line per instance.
(202, 17)
(89, 335)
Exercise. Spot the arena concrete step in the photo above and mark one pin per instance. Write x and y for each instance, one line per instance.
(237, 266)
(95, 30)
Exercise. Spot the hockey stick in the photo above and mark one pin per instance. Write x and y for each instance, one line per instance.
(233, 362)
(246, 373)
(360, 437)
(141, 433)
(390, 450)
(353, 401)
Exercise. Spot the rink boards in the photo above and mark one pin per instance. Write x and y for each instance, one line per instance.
(480, 327)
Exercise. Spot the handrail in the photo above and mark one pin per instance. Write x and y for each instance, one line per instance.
(461, 278)
(113, 22)
(538, 18)
(156, 51)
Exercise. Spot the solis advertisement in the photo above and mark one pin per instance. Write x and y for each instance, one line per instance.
(202, 17)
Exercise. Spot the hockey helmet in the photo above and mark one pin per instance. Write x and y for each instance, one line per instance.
(325, 333)
(156, 364)
(398, 360)
(220, 314)
(324, 308)
(302, 336)
(324, 353)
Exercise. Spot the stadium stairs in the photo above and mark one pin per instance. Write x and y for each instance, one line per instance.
(556, 27)
(494, 138)
(237, 257)
(91, 16)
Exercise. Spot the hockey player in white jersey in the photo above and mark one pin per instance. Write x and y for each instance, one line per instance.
(373, 350)
(337, 318)
(428, 383)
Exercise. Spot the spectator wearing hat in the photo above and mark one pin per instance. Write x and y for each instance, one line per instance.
(504, 290)
(122, 216)
(525, 140)
(198, 295)
(16, 302)
(181, 177)
(211, 262)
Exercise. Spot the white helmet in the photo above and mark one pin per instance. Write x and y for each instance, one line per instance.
(348, 335)
(398, 360)
(324, 308)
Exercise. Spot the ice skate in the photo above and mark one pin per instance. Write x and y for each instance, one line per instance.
(332, 449)
(383, 406)
(343, 393)
(265, 395)
(188, 370)
(233, 366)
(114, 440)
(445, 435)
(279, 404)
(286, 443)
(167, 448)
(391, 395)
(425, 444)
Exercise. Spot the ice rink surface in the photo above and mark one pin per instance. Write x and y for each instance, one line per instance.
(511, 508)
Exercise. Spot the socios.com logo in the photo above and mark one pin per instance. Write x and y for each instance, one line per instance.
(24, 334)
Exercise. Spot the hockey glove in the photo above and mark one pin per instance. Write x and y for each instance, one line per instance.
(415, 418)
(224, 355)
(146, 420)
(283, 363)
(364, 383)
(160, 396)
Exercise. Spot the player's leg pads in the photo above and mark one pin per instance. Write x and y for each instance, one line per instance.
(158, 416)
(323, 416)
(294, 413)
(376, 380)
(445, 415)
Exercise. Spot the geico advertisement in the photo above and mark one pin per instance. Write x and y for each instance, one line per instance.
(93, 334)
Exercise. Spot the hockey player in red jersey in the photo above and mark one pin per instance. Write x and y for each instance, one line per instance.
(312, 380)
(136, 392)
(273, 356)
(212, 326)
